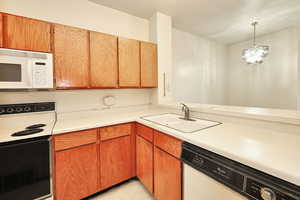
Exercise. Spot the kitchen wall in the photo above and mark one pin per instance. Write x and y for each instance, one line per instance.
(83, 14)
(273, 84)
(210, 73)
(298, 60)
(76, 100)
(199, 69)
(161, 34)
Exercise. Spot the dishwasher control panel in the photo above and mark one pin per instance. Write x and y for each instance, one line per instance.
(253, 184)
(217, 171)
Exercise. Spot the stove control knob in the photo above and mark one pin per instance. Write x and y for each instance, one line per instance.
(267, 194)
(10, 110)
(2, 110)
(19, 109)
(27, 109)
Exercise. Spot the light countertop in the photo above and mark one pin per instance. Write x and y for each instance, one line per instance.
(275, 153)
(266, 114)
(74, 121)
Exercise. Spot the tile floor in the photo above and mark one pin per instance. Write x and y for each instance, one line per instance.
(131, 190)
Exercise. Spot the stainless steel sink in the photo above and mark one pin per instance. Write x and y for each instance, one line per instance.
(176, 122)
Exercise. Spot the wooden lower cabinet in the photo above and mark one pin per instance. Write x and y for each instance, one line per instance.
(167, 176)
(144, 162)
(115, 161)
(76, 172)
(86, 162)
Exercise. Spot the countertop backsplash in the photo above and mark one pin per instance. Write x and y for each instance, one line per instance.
(77, 100)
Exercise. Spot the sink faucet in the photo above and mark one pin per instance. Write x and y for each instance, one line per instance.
(186, 111)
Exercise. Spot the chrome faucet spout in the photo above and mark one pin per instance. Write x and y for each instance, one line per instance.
(186, 111)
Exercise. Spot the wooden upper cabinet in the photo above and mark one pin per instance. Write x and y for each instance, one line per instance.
(129, 63)
(25, 34)
(104, 60)
(148, 64)
(167, 176)
(1, 30)
(71, 48)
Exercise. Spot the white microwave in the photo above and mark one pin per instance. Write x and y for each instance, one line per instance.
(25, 69)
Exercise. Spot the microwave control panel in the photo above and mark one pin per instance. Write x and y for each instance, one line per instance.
(42, 74)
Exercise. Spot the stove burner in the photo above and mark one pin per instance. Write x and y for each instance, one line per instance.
(27, 132)
(36, 126)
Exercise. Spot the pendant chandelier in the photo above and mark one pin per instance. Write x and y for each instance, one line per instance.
(256, 53)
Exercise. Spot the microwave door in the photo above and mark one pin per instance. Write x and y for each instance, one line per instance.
(15, 72)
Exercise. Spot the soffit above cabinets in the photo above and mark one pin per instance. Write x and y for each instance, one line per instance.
(224, 21)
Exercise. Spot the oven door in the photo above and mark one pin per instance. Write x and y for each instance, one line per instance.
(25, 170)
(15, 72)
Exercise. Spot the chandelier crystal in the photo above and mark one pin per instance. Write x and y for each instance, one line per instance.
(257, 53)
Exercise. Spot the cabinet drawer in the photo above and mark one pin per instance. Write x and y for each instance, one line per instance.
(145, 132)
(167, 143)
(75, 139)
(111, 132)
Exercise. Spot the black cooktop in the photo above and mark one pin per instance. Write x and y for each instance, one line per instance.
(27, 132)
(36, 126)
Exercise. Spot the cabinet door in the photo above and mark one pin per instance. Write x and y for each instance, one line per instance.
(71, 47)
(104, 60)
(76, 172)
(1, 30)
(129, 63)
(167, 176)
(115, 161)
(144, 162)
(148, 64)
(26, 34)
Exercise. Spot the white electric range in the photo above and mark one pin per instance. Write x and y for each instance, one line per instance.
(25, 150)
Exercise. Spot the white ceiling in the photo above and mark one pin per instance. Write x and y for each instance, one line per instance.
(226, 21)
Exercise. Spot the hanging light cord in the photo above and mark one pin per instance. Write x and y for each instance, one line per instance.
(254, 32)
